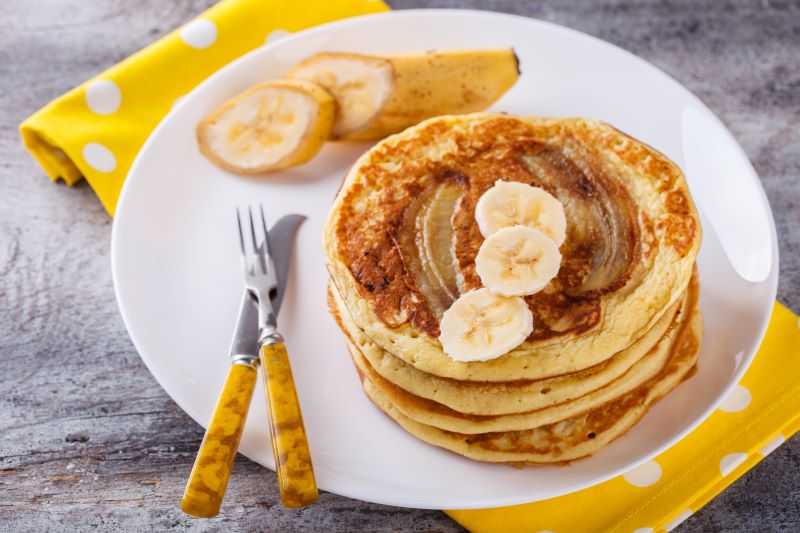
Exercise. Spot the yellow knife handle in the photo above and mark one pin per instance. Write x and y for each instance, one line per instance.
(289, 442)
(212, 467)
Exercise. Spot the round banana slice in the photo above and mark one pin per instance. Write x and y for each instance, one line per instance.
(361, 85)
(510, 203)
(481, 325)
(273, 125)
(517, 261)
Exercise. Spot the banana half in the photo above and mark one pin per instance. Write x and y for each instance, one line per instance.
(378, 96)
(273, 125)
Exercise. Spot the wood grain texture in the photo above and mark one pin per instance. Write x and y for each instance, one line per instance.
(88, 439)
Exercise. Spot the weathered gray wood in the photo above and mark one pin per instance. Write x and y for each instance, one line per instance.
(88, 440)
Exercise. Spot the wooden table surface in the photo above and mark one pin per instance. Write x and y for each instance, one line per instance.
(88, 439)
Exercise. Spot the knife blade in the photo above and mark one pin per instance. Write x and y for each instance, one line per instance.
(281, 237)
(245, 336)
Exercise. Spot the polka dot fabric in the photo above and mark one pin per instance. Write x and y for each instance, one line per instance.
(95, 130)
(658, 495)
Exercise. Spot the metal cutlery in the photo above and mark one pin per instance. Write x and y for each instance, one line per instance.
(256, 342)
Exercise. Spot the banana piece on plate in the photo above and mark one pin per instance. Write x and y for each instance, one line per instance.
(273, 125)
(510, 203)
(481, 325)
(378, 96)
(360, 84)
(516, 261)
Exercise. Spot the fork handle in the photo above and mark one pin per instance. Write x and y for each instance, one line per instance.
(289, 443)
(212, 467)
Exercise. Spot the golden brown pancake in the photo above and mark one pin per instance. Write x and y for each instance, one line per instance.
(435, 414)
(401, 239)
(499, 398)
(565, 440)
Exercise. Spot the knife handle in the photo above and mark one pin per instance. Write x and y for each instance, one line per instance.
(289, 443)
(212, 467)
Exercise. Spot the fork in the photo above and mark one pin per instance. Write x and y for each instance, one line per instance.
(289, 442)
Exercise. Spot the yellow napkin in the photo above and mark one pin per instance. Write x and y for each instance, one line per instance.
(95, 130)
(762, 412)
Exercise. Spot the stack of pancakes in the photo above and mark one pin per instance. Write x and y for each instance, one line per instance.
(616, 330)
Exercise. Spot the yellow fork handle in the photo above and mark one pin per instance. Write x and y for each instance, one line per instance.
(212, 467)
(289, 442)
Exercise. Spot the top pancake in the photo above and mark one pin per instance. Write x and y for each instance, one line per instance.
(401, 238)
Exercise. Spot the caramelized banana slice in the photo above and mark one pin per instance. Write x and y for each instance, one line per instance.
(273, 125)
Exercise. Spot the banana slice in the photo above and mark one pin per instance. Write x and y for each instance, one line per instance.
(273, 125)
(481, 325)
(361, 85)
(510, 203)
(517, 261)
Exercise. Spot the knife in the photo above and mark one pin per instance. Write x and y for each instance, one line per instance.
(209, 477)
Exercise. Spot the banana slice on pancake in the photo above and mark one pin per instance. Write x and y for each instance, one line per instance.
(511, 203)
(273, 125)
(481, 325)
(517, 261)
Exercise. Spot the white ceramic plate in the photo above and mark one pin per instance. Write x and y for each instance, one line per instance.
(178, 277)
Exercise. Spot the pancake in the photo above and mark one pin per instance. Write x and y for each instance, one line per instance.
(401, 239)
(435, 414)
(495, 398)
(569, 439)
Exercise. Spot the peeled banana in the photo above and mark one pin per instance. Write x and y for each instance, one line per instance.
(517, 261)
(378, 96)
(273, 125)
(510, 203)
(481, 325)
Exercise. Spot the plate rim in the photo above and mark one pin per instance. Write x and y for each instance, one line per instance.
(771, 279)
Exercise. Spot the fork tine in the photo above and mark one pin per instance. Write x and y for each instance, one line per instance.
(258, 251)
(241, 233)
(252, 230)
